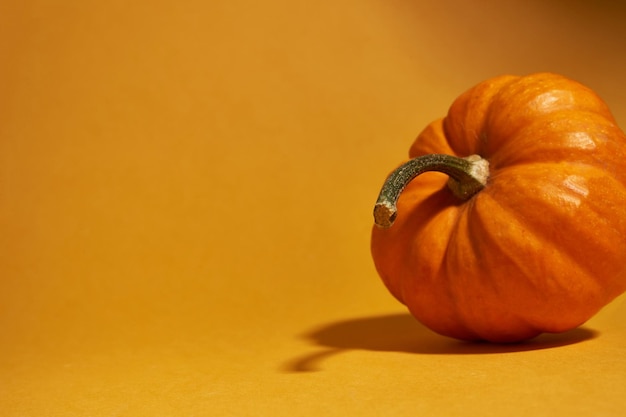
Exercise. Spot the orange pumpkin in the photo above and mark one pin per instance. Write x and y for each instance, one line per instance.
(517, 223)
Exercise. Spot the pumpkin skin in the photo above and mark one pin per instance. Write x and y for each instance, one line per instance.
(542, 247)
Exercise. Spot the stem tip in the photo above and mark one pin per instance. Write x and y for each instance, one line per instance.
(384, 214)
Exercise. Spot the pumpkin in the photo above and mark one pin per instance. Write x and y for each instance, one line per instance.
(509, 217)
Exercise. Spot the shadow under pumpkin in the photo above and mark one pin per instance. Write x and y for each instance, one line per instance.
(402, 333)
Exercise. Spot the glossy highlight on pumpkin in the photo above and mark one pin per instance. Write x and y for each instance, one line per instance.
(541, 247)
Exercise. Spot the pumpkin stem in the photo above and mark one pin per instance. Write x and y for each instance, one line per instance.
(467, 177)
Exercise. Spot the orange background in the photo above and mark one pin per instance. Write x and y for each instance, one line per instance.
(185, 206)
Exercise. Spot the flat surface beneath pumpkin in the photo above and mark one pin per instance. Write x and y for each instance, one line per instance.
(185, 205)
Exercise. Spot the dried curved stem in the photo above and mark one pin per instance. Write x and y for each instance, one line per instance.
(467, 177)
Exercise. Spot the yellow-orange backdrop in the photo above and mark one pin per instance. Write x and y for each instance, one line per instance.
(185, 205)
